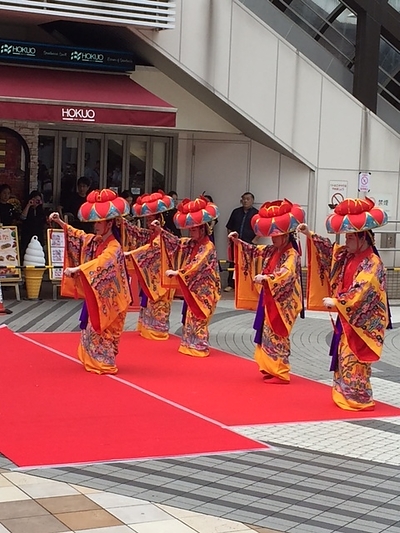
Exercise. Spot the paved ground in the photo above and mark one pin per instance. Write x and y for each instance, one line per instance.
(319, 477)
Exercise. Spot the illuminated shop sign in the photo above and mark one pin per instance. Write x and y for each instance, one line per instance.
(78, 114)
(55, 55)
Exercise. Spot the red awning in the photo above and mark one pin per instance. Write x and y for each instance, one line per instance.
(45, 95)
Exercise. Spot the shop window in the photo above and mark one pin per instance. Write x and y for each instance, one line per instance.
(46, 167)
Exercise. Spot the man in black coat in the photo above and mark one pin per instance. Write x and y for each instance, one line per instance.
(240, 221)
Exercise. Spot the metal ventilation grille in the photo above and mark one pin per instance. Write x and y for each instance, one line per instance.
(158, 14)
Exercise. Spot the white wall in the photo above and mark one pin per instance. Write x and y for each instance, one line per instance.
(248, 66)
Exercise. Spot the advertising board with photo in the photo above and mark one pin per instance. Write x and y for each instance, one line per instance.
(10, 261)
(55, 247)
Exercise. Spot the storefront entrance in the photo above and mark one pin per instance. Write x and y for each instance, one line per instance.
(123, 162)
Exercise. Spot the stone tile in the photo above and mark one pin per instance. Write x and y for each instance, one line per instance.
(67, 504)
(20, 509)
(35, 524)
(12, 493)
(109, 500)
(210, 524)
(137, 514)
(88, 519)
(163, 526)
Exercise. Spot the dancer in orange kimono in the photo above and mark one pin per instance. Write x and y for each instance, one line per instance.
(276, 270)
(155, 306)
(191, 264)
(94, 269)
(350, 279)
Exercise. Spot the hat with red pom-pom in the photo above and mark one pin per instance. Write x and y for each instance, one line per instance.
(103, 205)
(277, 218)
(191, 213)
(355, 215)
(152, 204)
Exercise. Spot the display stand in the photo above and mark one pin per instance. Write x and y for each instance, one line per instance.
(55, 247)
(10, 261)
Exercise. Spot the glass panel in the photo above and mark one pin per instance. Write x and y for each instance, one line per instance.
(69, 162)
(310, 15)
(389, 72)
(341, 36)
(395, 4)
(158, 165)
(115, 154)
(46, 167)
(137, 166)
(92, 161)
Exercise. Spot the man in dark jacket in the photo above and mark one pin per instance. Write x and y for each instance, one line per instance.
(240, 221)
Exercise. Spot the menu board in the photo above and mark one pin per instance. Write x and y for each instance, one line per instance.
(55, 247)
(10, 262)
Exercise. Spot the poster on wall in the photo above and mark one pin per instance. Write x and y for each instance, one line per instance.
(337, 192)
(10, 261)
(55, 247)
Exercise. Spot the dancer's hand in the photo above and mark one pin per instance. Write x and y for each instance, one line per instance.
(328, 302)
(156, 226)
(259, 278)
(55, 217)
(233, 235)
(171, 273)
(70, 271)
(303, 228)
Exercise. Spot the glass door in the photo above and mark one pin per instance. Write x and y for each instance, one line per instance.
(92, 165)
(137, 166)
(69, 157)
(159, 164)
(46, 157)
(115, 162)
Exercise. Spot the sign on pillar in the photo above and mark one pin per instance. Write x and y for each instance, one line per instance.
(364, 182)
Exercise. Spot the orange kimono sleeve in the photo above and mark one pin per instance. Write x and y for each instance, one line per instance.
(146, 262)
(363, 310)
(79, 247)
(200, 283)
(248, 263)
(106, 287)
(172, 253)
(319, 260)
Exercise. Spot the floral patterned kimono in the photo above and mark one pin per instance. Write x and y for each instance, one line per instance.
(153, 321)
(199, 281)
(102, 282)
(279, 302)
(358, 284)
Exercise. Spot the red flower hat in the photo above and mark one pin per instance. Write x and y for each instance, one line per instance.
(354, 215)
(103, 205)
(196, 212)
(277, 218)
(152, 204)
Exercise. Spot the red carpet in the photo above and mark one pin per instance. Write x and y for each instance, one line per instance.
(223, 387)
(52, 412)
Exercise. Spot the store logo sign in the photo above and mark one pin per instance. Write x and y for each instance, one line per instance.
(17, 50)
(78, 114)
(87, 57)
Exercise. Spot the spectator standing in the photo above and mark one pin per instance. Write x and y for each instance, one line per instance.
(8, 213)
(74, 201)
(169, 223)
(33, 220)
(240, 222)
